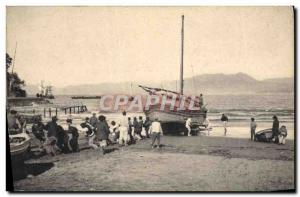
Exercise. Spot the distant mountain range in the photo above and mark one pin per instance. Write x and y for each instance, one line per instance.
(239, 83)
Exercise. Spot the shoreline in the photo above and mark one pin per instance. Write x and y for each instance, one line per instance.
(197, 163)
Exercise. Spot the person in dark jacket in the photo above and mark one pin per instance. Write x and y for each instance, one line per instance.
(90, 133)
(224, 120)
(147, 125)
(12, 120)
(38, 129)
(135, 126)
(275, 129)
(139, 127)
(102, 132)
(62, 140)
(130, 126)
(73, 136)
(51, 139)
(51, 127)
(108, 132)
(201, 100)
(94, 120)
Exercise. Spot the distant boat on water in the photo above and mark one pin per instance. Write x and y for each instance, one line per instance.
(173, 118)
(45, 91)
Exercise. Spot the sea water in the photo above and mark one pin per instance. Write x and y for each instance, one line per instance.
(238, 108)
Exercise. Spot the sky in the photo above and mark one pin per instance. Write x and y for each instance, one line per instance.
(89, 45)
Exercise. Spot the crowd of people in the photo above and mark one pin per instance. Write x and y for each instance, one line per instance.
(124, 131)
(98, 132)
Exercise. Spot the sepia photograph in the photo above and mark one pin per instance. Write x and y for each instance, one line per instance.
(150, 99)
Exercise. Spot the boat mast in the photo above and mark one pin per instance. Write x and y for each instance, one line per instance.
(12, 70)
(181, 65)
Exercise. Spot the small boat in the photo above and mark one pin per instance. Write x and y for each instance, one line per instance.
(19, 145)
(264, 135)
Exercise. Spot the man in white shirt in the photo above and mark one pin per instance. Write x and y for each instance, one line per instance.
(156, 131)
(253, 126)
(188, 125)
(124, 137)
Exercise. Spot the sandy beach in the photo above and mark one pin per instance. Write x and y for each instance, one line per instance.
(200, 163)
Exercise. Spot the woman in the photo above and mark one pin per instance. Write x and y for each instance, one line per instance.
(102, 133)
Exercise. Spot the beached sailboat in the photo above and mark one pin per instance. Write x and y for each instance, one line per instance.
(173, 116)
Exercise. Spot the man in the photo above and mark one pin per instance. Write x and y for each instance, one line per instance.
(253, 126)
(275, 129)
(201, 100)
(73, 136)
(38, 130)
(109, 142)
(124, 136)
(51, 139)
(139, 127)
(62, 139)
(207, 125)
(13, 123)
(102, 133)
(224, 120)
(90, 133)
(147, 125)
(156, 131)
(130, 126)
(94, 120)
(135, 126)
(188, 125)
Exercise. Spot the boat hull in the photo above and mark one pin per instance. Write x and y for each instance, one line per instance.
(176, 117)
(19, 150)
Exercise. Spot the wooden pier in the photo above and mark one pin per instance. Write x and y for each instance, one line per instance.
(73, 109)
(51, 110)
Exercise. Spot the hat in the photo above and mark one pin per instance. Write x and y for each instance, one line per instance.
(54, 118)
(36, 119)
(13, 111)
(87, 118)
(101, 118)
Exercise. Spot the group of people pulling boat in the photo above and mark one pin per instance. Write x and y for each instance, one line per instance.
(98, 132)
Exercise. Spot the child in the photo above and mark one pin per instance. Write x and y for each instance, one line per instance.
(115, 131)
(282, 134)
